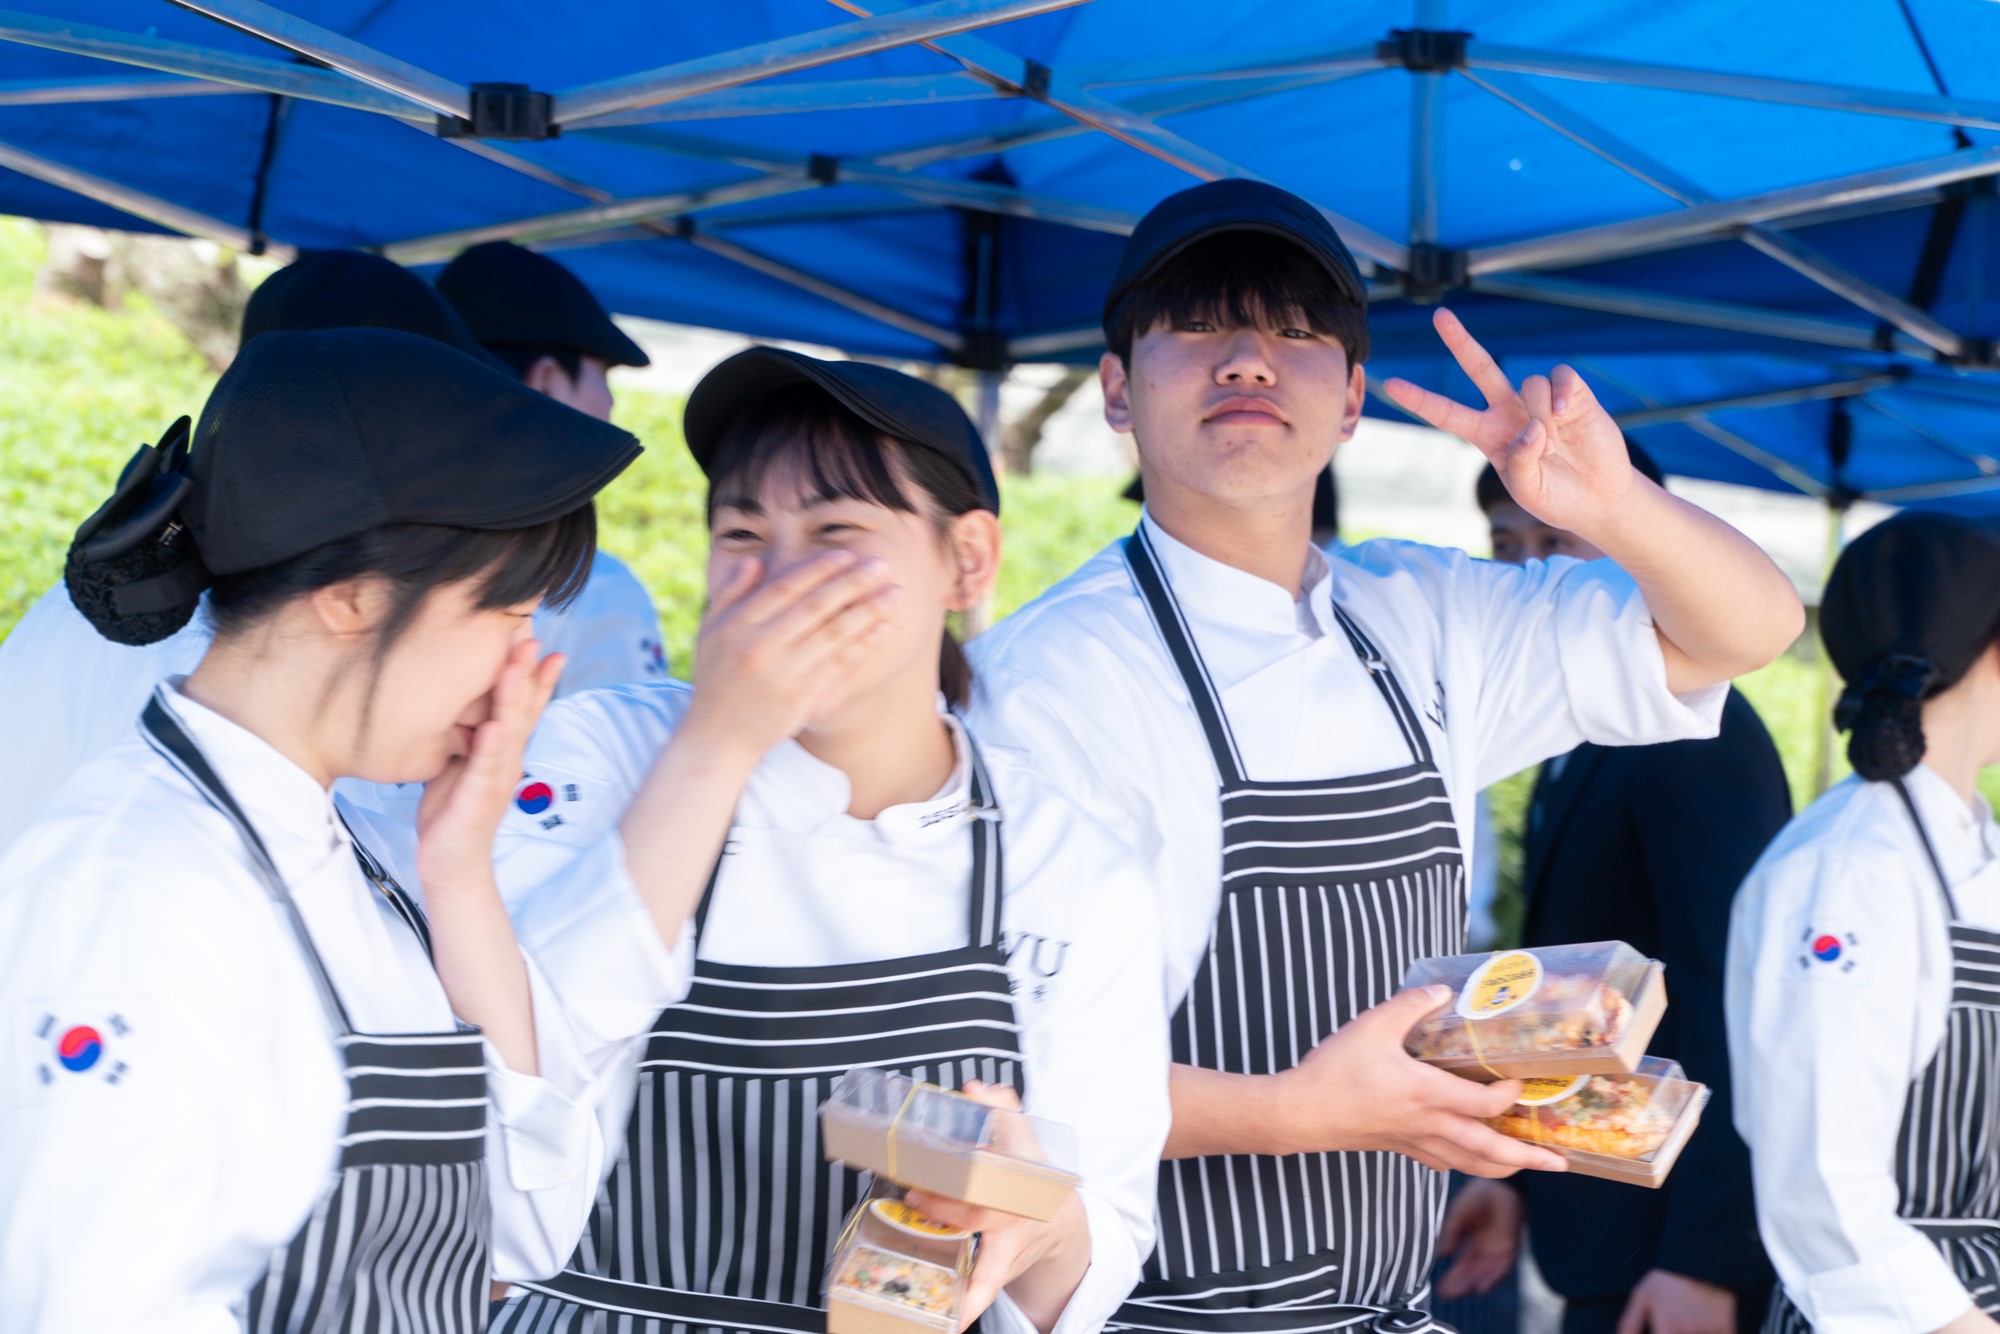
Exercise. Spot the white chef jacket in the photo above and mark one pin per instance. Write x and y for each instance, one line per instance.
(1506, 664)
(148, 1192)
(1825, 1044)
(611, 632)
(73, 694)
(806, 884)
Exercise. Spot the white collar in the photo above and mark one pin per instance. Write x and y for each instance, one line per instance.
(802, 793)
(290, 811)
(1226, 595)
(1964, 834)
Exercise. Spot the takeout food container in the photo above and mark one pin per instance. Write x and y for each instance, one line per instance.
(1619, 1127)
(895, 1271)
(918, 1135)
(1551, 1010)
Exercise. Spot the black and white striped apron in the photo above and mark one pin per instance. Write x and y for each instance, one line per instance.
(1331, 889)
(721, 1213)
(399, 1242)
(1948, 1149)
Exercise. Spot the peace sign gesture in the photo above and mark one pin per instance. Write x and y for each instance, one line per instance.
(1559, 452)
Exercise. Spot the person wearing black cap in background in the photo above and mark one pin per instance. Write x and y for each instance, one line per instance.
(538, 318)
(72, 693)
(1350, 704)
(1644, 844)
(1864, 961)
(253, 1081)
(816, 805)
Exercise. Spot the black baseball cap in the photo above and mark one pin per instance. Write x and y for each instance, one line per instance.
(312, 437)
(509, 294)
(350, 289)
(898, 405)
(1180, 220)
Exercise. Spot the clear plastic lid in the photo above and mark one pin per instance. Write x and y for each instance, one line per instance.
(921, 1115)
(1628, 1117)
(1521, 1003)
(891, 1261)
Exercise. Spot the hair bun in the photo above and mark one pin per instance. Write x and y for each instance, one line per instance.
(133, 570)
(1887, 740)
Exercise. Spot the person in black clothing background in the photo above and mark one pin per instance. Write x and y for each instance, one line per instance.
(1645, 844)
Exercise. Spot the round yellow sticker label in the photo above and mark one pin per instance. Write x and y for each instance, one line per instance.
(1545, 1089)
(898, 1214)
(1498, 985)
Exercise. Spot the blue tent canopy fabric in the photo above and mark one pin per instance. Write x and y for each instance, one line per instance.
(1767, 233)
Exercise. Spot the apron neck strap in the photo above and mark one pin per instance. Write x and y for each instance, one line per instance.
(165, 734)
(1174, 633)
(1930, 850)
(982, 902)
(385, 884)
(983, 815)
(1385, 681)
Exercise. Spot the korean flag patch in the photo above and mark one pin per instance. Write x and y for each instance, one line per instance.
(541, 802)
(1827, 950)
(72, 1053)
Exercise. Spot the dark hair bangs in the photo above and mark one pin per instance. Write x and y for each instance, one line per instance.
(804, 431)
(550, 561)
(1241, 280)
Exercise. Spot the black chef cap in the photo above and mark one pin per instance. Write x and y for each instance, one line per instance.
(313, 437)
(898, 405)
(510, 295)
(1180, 220)
(348, 289)
(1910, 606)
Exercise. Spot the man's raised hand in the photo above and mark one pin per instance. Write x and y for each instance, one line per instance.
(1561, 455)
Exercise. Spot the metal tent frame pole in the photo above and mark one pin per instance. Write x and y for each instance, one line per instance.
(921, 23)
(351, 74)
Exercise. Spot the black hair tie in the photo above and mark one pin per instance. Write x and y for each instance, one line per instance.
(1882, 709)
(133, 570)
(1900, 676)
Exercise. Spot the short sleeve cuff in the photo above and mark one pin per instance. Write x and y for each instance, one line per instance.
(1909, 1289)
(1113, 1272)
(1614, 672)
(593, 938)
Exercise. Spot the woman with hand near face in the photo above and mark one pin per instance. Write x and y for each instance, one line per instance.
(857, 884)
(254, 1082)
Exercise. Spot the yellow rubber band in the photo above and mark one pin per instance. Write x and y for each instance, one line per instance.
(1472, 1033)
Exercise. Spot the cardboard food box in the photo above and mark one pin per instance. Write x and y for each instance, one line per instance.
(1618, 1127)
(895, 1271)
(937, 1140)
(1552, 1010)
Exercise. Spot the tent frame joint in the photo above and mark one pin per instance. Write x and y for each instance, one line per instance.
(1434, 270)
(1979, 354)
(1424, 50)
(1037, 80)
(823, 168)
(508, 111)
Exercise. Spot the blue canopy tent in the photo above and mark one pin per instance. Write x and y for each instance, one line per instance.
(1762, 230)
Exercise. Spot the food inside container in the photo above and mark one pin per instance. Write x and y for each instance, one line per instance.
(1624, 1127)
(1559, 1009)
(939, 1140)
(895, 1270)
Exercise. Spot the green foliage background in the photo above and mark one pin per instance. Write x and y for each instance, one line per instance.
(81, 388)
